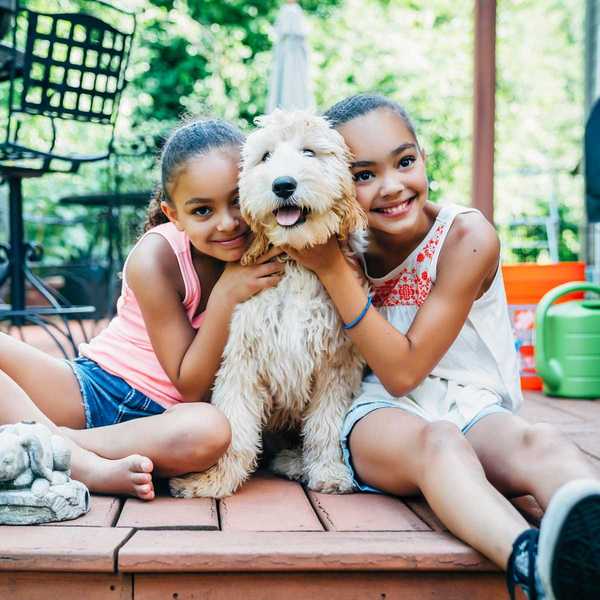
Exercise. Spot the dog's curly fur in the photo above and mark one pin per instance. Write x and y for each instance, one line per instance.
(287, 361)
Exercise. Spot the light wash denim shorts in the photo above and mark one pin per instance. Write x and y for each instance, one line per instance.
(433, 400)
(108, 399)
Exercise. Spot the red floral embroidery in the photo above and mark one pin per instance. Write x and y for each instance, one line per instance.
(412, 285)
(431, 245)
(408, 288)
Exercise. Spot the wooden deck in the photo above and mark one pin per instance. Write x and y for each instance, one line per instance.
(273, 539)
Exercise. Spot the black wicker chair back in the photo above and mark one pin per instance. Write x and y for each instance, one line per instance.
(73, 69)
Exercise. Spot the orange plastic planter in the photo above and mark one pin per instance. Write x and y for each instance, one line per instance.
(525, 285)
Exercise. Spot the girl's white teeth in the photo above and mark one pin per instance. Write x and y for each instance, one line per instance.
(394, 209)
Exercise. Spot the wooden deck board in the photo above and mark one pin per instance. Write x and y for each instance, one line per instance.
(91, 549)
(584, 409)
(371, 585)
(65, 586)
(268, 503)
(103, 512)
(365, 512)
(207, 551)
(170, 513)
(589, 442)
(543, 410)
(526, 505)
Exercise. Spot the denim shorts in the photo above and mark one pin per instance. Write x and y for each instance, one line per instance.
(108, 399)
(374, 397)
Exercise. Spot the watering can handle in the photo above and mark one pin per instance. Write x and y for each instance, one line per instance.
(550, 370)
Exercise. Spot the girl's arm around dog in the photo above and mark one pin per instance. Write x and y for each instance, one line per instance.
(191, 357)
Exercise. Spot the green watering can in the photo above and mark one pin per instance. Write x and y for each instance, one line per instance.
(567, 343)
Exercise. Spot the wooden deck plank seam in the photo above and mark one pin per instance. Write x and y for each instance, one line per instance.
(118, 511)
(327, 526)
(118, 548)
(174, 528)
(219, 518)
(422, 513)
(588, 454)
(414, 512)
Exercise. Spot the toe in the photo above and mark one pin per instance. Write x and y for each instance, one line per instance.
(141, 464)
(141, 478)
(145, 492)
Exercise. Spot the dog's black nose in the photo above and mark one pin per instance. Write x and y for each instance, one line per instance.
(284, 187)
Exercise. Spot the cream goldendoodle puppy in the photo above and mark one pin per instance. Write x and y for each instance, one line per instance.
(288, 361)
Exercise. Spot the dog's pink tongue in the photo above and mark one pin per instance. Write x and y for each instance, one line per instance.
(288, 216)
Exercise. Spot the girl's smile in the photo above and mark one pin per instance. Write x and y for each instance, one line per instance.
(396, 209)
(237, 241)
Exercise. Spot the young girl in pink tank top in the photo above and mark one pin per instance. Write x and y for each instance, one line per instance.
(436, 414)
(159, 355)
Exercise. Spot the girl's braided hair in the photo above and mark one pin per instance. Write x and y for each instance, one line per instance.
(191, 138)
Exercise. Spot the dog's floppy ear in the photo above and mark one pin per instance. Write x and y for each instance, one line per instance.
(352, 216)
(260, 244)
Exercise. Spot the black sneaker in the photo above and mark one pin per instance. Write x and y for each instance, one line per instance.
(568, 558)
(521, 570)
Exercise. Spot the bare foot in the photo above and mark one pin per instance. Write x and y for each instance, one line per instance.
(131, 475)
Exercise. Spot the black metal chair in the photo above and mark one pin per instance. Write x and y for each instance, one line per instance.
(73, 72)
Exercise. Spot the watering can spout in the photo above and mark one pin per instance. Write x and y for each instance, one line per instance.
(551, 373)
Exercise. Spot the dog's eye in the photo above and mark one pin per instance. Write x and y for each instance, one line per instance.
(265, 157)
(308, 152)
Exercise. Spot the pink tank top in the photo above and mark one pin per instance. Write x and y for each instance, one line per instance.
(124, 347)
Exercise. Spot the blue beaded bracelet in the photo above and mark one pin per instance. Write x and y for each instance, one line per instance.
(358, 319)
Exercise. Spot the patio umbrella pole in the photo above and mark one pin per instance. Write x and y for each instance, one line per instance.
(289, 87)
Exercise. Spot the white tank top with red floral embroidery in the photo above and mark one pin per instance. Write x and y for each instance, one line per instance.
(483, 354)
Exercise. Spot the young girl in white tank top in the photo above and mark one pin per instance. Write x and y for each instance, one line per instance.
(436, 413)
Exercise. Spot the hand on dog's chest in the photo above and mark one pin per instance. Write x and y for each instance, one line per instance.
(287, 318)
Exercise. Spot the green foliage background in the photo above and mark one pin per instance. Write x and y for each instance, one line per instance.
(213, 57)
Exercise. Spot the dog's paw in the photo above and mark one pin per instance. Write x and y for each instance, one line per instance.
(330, 479)
(289, 463)
(209, 484)
(183, 487)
